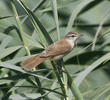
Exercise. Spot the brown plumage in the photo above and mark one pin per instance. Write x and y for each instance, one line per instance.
(56, 51)
(32, 62)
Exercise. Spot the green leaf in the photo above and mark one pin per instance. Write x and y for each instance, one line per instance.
(17, 84)
(4, 81)
(5, 40)
(25, 96)
(8, 51)
(106, 16)
(98, 93)
(32, 42)
(18, 77)
(107, 98)
(75, 12)
(90, 68)
(41, 31)
(13, 67)
(54, 7)
(40, 2)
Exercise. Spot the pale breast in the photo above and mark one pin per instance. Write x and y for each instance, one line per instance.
(71, 42)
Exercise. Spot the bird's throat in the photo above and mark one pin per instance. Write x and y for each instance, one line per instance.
(71, 42)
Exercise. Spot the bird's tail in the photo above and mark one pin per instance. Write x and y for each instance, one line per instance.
(32, 62)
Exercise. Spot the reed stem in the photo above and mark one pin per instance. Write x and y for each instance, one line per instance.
(20, 27)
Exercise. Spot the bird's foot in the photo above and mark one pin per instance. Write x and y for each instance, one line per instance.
(59, 67)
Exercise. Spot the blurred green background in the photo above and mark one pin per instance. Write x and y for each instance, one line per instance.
(90, 57)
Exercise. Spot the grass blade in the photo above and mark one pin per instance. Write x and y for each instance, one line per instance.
(20, 27)
(43, 34)
(16, 85)
(75, 12)
(74, 89)
(13, 67)
(32, 42)
(8, 51)
(54, 7)
(84, 73)
(106, 16)
(33, 10)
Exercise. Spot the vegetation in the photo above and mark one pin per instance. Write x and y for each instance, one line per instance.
(28, 26)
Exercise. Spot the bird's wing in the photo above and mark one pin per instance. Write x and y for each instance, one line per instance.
(57, 48)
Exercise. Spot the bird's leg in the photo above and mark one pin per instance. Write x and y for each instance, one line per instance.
(60, 68)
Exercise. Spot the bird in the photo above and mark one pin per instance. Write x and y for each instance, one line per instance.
(56, 51)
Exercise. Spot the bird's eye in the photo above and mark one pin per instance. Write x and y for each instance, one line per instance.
(72, 36)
